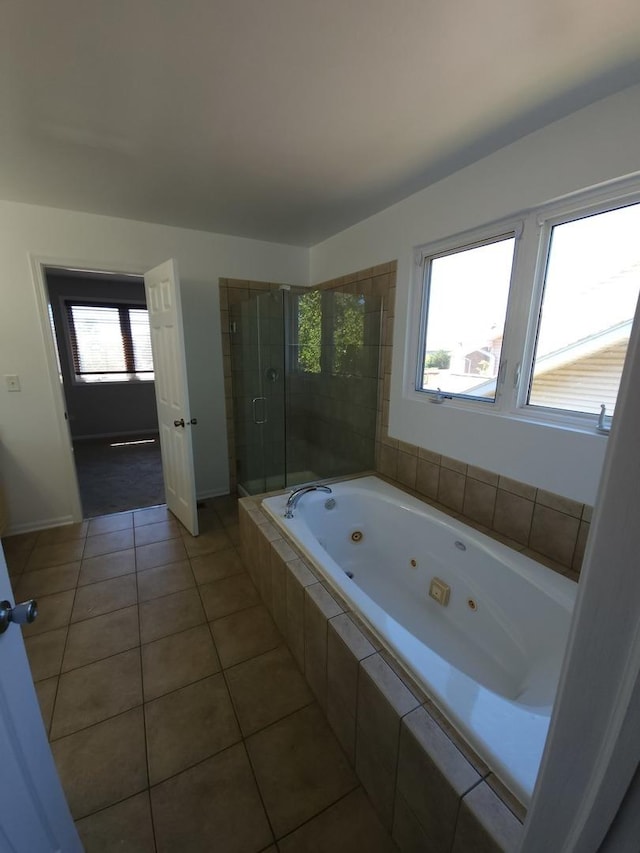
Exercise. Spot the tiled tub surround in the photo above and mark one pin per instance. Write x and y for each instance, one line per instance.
(547, 527)
(429, 788)
(487, 665)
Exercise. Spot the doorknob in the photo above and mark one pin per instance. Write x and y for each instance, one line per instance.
(20, 613)
(179, 423)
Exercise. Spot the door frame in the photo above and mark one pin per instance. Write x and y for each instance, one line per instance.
(38, 265)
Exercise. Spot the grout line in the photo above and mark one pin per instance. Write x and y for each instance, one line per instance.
(242, 738)
(97, 660)
(328, 808)
(97, 723)
(144, 715)
(64, 651)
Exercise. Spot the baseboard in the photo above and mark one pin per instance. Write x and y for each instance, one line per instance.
(34, 526)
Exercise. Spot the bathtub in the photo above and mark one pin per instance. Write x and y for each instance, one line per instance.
(489, 659)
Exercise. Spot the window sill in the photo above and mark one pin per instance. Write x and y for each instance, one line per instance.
(79, 382)
(584, 425)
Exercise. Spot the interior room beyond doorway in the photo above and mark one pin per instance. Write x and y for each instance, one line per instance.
(102, 339)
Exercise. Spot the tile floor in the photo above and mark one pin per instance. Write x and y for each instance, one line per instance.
(178, 719)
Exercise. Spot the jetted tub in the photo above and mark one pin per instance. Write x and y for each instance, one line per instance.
(491, 657)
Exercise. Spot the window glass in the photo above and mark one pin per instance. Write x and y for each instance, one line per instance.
(591, 289)
(110, 343)
(141, 338)
(98, 340)
(308, 329)
(348, 353)
(466, 294)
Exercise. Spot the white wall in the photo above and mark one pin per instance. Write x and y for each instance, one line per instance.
(594, 145)
(31, 459)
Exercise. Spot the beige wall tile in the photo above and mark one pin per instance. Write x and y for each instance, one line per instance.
(554, 534)
(482, 474)
(485, 824)
(512, 516)
(479, 501)
(429, 455)
(407, 469)
(581, 544)
(405, 447)
(343, 726)
(517, 488)
(299, 576)
(378, 781)
(342, 675)
(432, 776)
(428, 478)
(453, 464)
(279, 585)
(388, 461)
(319, 606)
(346, 647)
(451, 489)
(560, 503)
(382, 702)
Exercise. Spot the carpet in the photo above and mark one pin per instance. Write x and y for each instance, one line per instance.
(116, 479)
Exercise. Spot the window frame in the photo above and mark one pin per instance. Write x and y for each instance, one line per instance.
(533, 241)
(423, 256)
(122, 305)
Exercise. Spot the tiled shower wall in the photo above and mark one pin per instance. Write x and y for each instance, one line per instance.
(335, 409)
(332, 417)
(548, 527)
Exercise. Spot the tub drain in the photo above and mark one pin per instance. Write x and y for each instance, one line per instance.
(471, 604)
(357, 536)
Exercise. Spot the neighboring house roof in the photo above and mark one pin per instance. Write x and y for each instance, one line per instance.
(584, 348)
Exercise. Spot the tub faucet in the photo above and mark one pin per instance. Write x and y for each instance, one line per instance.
(296, 494)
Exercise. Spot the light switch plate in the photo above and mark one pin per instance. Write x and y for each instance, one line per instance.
(13, 382)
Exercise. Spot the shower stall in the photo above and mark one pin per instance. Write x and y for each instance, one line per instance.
(304, 371)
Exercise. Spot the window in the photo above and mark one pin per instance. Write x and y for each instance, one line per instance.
(307, 330)
(464, 307)
(540, 332)
(109, 343)
(347, 323)
(591, 289)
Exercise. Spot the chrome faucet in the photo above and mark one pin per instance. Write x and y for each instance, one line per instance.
(296, 494)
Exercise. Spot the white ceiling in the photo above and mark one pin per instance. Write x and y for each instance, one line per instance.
(284, 120)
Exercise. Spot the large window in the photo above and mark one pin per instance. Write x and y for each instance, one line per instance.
(546, 338)
(109, 343)
(590, 293)
(465, 305)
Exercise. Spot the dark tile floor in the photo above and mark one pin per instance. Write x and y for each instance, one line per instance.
(178, 719)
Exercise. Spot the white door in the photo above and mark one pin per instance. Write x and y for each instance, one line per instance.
(172, 396)
(34, 815)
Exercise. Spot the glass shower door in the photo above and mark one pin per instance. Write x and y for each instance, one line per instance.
(257, 362)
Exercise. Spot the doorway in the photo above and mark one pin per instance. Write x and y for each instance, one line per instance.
(101, 331)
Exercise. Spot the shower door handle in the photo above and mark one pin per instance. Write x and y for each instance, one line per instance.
(254, 403)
